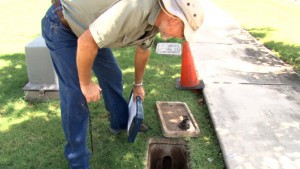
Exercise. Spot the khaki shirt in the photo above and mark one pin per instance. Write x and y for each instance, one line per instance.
(114, 23)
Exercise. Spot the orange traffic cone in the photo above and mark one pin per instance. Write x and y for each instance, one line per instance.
(188, 78)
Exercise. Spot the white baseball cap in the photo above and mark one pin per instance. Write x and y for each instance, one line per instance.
(189, 11)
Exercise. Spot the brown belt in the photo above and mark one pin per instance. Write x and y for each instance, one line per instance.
(59, 13)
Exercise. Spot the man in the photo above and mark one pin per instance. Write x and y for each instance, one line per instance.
(79, 35)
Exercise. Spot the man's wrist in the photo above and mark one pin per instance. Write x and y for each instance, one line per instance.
(137, 84)
(85, 82)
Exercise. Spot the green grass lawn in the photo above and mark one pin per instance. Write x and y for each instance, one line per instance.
(273, 22)
(31, 136)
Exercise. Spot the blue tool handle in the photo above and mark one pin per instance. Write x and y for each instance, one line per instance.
(139, 108)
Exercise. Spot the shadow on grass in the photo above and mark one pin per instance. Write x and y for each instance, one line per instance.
(30, 133)
(289, 53)
(13, 76)
(24, 143)
(36, 142)
(260, 32)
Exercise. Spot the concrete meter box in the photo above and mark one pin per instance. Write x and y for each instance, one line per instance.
(43, 81)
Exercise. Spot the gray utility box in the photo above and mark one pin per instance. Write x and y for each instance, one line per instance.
(43, 81)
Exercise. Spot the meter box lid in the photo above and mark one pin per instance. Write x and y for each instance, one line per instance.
(176, 119)
(168, 48)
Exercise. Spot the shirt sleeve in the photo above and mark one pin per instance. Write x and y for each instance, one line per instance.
(146, 44)
(103, 27)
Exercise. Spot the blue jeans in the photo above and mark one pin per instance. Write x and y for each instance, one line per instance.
(62, 43)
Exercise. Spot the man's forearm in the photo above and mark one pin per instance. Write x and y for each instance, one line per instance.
(86, 53)
(140, 62)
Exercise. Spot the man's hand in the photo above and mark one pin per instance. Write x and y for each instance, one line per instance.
(91, 92)
(138, 91)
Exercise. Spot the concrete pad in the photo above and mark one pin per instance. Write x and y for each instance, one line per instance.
(240, 63)
(258, 126)
(253, 97)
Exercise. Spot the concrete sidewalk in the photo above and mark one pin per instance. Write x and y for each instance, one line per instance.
(253, 97)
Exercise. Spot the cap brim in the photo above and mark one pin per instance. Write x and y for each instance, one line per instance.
(172, 7)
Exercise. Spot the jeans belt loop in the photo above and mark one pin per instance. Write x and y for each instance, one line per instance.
(58, 10)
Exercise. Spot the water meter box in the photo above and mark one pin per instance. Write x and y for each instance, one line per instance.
(167, 154)
(43, 81)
